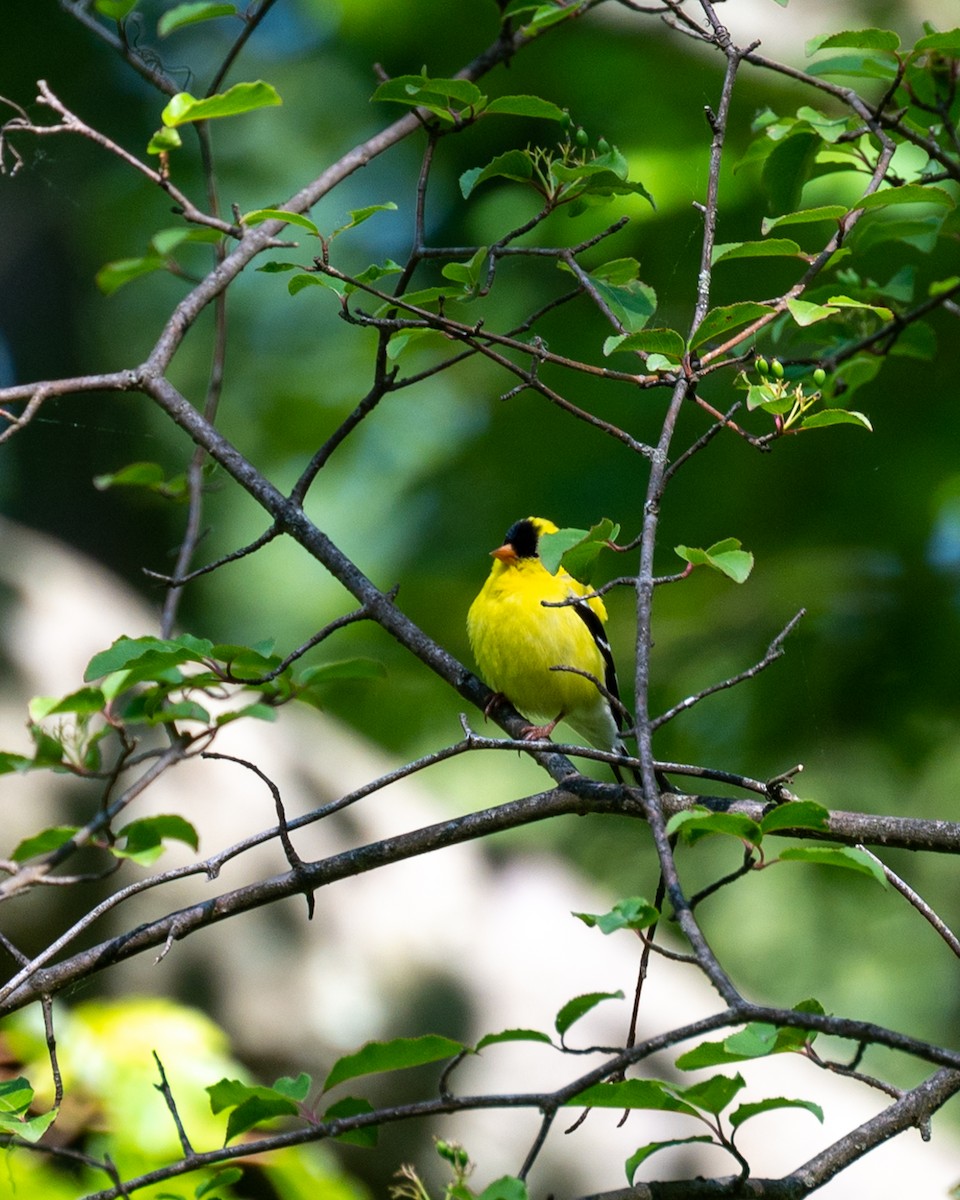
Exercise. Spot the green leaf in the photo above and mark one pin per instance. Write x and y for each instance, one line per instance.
(241, 98)
(725, 556)
(296, 1089)
(31, 1129)
(546, 15)
(632, 1093)
(190, 14)
(223, 1178)
(771, 248)
(907, 193)
(469, 273)
(714, 1094)
(720, 322)
(507, 1188)
(746, 1111)
(695, 824)
(395, 1055)
(836, 416)
(44, 842)
(259, 215)
(514, 164)
(648, 341)
(113, 275)
(116, 10)
(579, 1006)
(796, 814)
(359, 215)
(347, 668)
(145, 837)
(512, 1035)
(445, 98)
(251, 1105)
(16, 1095)
(14, 762)
(524, 106)
(806, 216)
(633, 913)
(147, 475)
(84, 702)
(755, 1041)
(163, 141)
(949, 42)
(787, 168)
(353, 1106)
(640, 1156)
(846, 857)
(633, 303)
(150, 653)
(855, 39)
(862, 64)
(577, 550)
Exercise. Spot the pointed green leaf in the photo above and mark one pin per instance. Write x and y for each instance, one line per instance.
(907, 193)
(796, 814)
(632, 1093)
(640, 1156)
(163, 141)
(714, 1094)
(697, 823)
(259, 215)
(721, 322)
(44, 842)
(524, 106)
(116, 10)
(855, 39)
(145, 837)
(190, 14)
(579, 1006)
(771, 248)
(746, 1111)
(836, 416)
(113, 275)
(395, 1055)
(512, 1035)
(847, 857)
(948, 42)
(806, 216)
(514, 164)
(84, 702)
(296, 1089)
(648, 341)
(241, 98)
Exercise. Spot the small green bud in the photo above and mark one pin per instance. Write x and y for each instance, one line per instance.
(763, 366)
(581, 137)
(819, 377)
(603, 146)
(777, 368)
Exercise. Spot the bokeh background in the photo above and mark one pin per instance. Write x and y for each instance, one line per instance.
(862, 530)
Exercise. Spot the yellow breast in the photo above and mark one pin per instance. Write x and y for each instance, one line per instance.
(516, 640)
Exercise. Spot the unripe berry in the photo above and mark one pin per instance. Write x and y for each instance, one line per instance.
(777, 368)
(819, 377)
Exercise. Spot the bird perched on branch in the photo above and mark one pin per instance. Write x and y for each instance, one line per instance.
(518, 641)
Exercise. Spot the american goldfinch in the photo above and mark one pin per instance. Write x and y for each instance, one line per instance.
(516, 641)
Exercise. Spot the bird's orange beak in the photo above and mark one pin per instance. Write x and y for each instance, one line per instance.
(505, 553)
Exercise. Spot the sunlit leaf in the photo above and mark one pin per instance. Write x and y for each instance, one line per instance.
(241, 98)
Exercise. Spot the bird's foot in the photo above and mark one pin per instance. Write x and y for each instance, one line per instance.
(537, 733)
(496, 699)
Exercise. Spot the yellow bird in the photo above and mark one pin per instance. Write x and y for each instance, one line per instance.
(516, 641)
